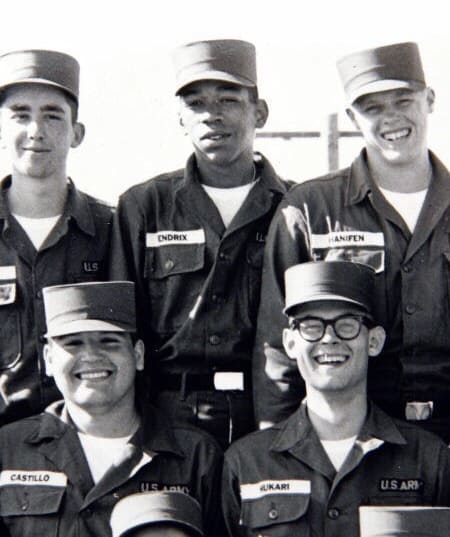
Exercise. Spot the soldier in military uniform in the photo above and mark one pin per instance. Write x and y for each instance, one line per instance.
(63, 471)
(193, 242)
(309, 474)
(50, 232)
(389, 210)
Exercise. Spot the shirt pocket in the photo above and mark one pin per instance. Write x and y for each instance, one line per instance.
(10, 326)
(29, 511)
(174, 275)
(283, 515)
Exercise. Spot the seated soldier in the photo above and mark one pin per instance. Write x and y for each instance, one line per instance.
(309, 474)
(63, 471)
(170, 513)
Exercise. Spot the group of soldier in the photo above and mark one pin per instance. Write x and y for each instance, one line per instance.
(140, 343)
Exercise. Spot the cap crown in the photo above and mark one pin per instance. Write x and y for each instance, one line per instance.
(93, 306)
(329, 280)
(381, 69)
(229, 60)
(47, 67)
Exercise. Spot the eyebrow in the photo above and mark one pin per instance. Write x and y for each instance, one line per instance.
(223, 87)
(45, 108)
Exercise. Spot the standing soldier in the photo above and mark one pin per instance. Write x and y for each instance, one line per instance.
(193, 242)
(50, 232)
(389, 210)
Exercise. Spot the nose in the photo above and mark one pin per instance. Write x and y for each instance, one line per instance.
(35, 131)
(213, 112)
(330, 334)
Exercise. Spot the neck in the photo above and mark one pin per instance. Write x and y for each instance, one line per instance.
(120, 422)
(406, 177)
(235, 174)
(37, 198)
(335, 415)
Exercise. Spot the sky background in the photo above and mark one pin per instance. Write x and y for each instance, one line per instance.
(127, 102)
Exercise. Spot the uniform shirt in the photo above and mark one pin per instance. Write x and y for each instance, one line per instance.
(74, 251)
(46, 488)
(197, 282)
(345, 216)
(280, 482)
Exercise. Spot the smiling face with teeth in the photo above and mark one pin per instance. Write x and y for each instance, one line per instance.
(394, 124)
(95, 371)
(333, 364)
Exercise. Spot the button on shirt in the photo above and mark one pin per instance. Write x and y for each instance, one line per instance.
(198, 283)
(74, 251)
(345, 216)
(279, 481)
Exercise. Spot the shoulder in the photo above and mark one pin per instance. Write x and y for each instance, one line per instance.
(195, 442)
(332, 181)
(417, 436)
(15, 432)
(257, 443)
(162, 183)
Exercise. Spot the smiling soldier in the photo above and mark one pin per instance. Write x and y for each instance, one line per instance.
(63, 471)
(193, 242)
(50, 233)
(309, 474)
(389, 210)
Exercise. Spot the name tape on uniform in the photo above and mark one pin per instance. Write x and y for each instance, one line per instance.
(164, 238)
(347, 238)
(8, 272)
(253, 491)
(32, 477)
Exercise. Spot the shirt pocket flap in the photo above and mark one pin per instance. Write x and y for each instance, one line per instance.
(174, 259)
(274, 509)
(22, 500)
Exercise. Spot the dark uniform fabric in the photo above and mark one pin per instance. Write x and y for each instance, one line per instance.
(280, 481)
(197, 302)
(345, 216)
(75, 251)
(40, 453)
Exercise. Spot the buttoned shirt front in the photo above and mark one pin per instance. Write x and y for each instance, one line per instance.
(75, 251)
(280, 481)
(198, 283)
(345, 216)
(46, 487)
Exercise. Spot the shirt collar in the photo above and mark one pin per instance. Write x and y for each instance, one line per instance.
(77, 206)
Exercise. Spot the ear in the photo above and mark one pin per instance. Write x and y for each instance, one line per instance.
(139, 352)
(262, 113)
(290, 343)
(48, 359)
(351, 116)
(431, 97)
(79, 131)
(377, 337)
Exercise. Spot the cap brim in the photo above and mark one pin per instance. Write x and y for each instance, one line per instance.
(319, 298)
(86, 325)
(213, 75)
(157, 518)
(378, 86)
(42, 81)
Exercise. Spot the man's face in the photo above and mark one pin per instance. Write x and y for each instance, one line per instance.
(332, 364)
(37, 131)
(220, 118)
(94, 370)
(394, 123)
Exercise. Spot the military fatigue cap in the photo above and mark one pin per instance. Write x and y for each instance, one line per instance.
(230, 60)
(329, 280)
(47, 67)
(381, 69)
(89, 307)
(412, 521)
(148, 508)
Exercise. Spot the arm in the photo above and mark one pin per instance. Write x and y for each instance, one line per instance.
(231, 499)
(277, 385)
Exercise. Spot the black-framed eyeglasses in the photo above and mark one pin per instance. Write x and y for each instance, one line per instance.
(346, 326)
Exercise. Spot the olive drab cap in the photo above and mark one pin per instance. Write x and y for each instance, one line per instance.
(230, 60)
(89, 307)
(47, 67)
(329, 280)
(412, 521)
(147, 508)
(381, 69)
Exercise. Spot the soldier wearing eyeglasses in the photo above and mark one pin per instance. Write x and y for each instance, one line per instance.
(338, 451)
